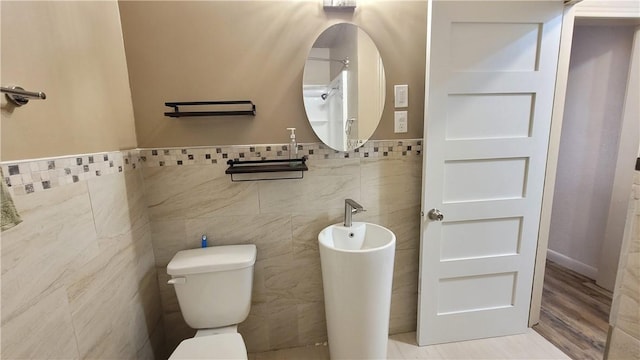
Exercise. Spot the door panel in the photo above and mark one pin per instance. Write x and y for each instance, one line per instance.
(477, 46)
(484, 179)
(488, 116)
(490, 83)
(480, 238)
(465, 293)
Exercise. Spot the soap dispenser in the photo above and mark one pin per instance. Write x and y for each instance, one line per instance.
(293, 147)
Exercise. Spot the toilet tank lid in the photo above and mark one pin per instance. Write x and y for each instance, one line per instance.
(211, 259)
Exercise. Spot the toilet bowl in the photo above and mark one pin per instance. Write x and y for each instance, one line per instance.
(221, 346)
(213, 286)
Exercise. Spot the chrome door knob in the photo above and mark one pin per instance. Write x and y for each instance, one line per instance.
(435, 215)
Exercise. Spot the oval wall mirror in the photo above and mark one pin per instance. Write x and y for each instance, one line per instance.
(343, 87)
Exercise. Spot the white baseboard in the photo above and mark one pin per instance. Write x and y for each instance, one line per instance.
(572, 264)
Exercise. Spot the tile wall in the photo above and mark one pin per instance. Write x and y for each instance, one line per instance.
(78, 274)
(188, 194)
(624, 334)
(84, 275)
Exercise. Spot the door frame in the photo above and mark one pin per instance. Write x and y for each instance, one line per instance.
(591, 9)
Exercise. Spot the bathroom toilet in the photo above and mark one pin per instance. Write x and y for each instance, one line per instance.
(213, 286)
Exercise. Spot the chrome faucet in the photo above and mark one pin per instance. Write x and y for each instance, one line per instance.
(351, 207)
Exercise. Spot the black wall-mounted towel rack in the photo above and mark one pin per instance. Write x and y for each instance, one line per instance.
(221, 112)
(285, 166)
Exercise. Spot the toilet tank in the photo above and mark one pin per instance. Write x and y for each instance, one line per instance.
(213, 284)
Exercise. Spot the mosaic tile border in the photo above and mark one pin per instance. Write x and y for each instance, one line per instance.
(29, 176)
(313, 151)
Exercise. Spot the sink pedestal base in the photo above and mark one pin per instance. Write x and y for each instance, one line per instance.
(357, 292)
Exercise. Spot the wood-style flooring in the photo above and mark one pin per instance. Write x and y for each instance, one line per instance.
(574, 314)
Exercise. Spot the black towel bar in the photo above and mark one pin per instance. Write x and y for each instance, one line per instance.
(223, 112)
(237, 167)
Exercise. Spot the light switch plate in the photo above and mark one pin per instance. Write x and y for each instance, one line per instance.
(400, 122)
(401, 93)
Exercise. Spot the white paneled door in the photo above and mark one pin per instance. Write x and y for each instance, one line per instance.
(490, 83)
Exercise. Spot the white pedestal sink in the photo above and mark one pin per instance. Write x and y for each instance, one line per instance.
(357, 273)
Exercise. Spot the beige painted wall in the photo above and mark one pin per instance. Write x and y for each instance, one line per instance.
(255, 50)
(623, 177)
(72, 51)
(589, 146)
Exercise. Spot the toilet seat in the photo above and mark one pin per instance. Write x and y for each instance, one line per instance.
(221, 346)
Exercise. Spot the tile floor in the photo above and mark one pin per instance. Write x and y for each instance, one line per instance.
(529, 345)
